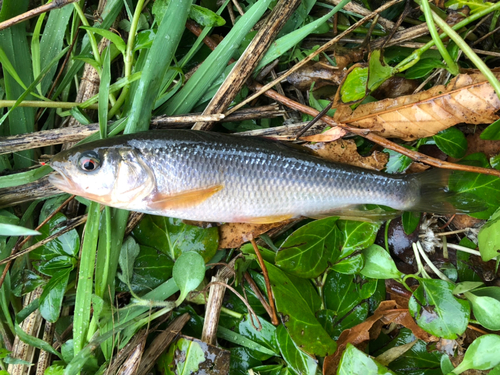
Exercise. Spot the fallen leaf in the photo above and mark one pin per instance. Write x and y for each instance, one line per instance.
(236, 234)
(345, 151)
(395, 87)
(466, 99)
(386, 313)
(329, 136)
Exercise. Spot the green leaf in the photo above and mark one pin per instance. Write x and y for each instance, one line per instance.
(452, 142)
(489, 238)
(297, 360)
(379, 264)
(343, 292)
(15, 230)
(410, 221)
(53, 294)
(437, 311)
(265, 337)
(65, 244)
(188, 273)
(355, 362)
(151, 268)
(335, 325)
(35, 342)
(398, 163)
(486, 310)
(205, 17)
(378, 72)
(357, 235)
(173, 237)
(466, 286)
(492, 132)
(349, 265)
(128, 253)
(482, 354)
(465, 268)
(104, 93)
(306, 252)
(423, 68)
(236, 338)
(301, 322)
(354, 86)
(109, 35)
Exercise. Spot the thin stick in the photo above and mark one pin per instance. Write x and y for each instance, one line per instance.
(274, 316)
(257, 292)
(441, 275)
(34, 12)
(323, 48)
(323, 112)
(22, 243)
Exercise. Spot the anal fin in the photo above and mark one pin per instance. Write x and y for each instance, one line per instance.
(185, 199)
(360, 213)
(265, 219)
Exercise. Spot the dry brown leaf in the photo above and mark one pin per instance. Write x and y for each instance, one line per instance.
(236, 234)
(329, 136)
(386, 313)
(466, 99)
(345, 151)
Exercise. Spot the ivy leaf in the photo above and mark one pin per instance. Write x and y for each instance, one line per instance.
(354, 361)
(296, 359)
(129, 251)
(306, 252)
(452, 142)
(357, 235)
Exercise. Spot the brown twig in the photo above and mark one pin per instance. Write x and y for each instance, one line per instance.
(258, 293)
(23, 242)
(414, 155)
(323, 48)
(274, 316)
(56, 4)
(248, 61)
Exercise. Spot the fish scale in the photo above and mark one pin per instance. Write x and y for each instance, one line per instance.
(256, 179)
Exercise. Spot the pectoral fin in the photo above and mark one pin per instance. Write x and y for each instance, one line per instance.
(185, 199)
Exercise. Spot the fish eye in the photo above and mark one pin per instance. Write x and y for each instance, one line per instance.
(89, 162)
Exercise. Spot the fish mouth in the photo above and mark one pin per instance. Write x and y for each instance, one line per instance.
(62, 182)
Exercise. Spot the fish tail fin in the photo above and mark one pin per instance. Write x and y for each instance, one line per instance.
(434, 195)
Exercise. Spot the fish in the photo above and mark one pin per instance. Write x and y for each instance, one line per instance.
(216, 177)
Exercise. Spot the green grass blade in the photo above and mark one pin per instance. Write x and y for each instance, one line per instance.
(283, 44)
(35, 48)
(24, 177)
(215, 64)
(52, 41)
(104, 93)
(158, 61)
(85, 279)
(14, 42)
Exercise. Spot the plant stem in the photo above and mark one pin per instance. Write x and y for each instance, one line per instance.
(464, 249)
(92, 40)
(43, 104)
(476, 60)
(129, 57)
(415, 56)
(232, 313)
(441, 275)
(429, 15)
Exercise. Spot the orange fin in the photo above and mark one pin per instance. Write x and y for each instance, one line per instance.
(265, 219)
(188, 198)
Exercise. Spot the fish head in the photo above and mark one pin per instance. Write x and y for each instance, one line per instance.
(114, 176)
